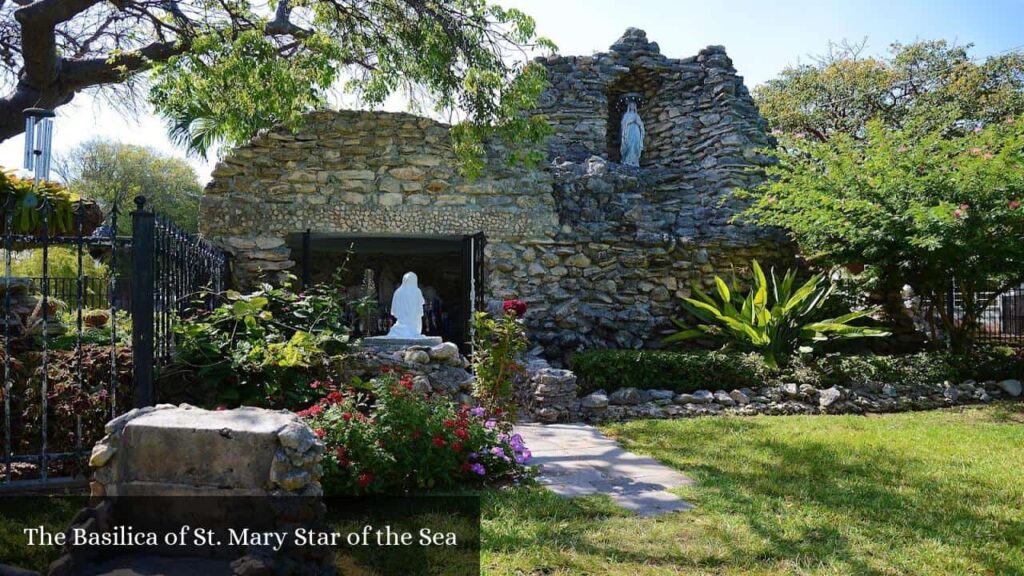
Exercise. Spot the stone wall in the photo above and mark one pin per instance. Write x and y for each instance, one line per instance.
(600, 252)
(373, 173)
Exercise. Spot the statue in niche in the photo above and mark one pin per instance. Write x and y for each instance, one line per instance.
(407, 308)
(633, 133)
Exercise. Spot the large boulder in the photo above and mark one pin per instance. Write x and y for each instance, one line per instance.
(1011, 387)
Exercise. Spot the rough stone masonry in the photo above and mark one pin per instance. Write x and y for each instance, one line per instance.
(600, 252)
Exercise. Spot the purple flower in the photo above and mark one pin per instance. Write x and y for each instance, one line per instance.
(478, 469)
(517, 442)
(490, 424)
(497, 451)
(522, 457)
(478, 411)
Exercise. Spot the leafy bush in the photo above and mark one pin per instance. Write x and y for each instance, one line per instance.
(67, 398)
(396, 441)
(712, 370)
(498, 343)
(678, 371)
(25, 197)
(772, 319)
(264, 348)
(928, 208)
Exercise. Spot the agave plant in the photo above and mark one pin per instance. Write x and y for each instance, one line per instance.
(772, 319)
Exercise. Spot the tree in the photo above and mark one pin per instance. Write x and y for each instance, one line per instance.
(219, 70)
(104, 170)
(924, 209)
(924, 86)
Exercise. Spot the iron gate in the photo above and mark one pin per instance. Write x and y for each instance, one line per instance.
(80, 350)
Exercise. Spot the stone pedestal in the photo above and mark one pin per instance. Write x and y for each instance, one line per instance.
(386, 344)
(165, 466)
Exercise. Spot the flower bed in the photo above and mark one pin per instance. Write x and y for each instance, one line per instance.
(391, 439)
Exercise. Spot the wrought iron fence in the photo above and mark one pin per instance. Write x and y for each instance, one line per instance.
(95, 290)
(1002, 321)
(72, 359)
(51, 401)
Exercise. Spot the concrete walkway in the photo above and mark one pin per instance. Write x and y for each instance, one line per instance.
(577, 460)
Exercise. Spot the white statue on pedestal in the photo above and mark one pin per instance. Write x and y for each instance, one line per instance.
(407, 308)
(632, 136)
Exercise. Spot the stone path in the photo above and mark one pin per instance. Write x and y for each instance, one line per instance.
(577, 460)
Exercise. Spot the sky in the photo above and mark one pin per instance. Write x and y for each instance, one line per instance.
(761, 37)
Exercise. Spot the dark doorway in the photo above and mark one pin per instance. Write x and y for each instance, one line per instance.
(449, 269)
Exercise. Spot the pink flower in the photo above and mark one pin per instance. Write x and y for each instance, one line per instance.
(1014, 204)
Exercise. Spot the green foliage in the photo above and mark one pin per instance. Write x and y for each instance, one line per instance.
(688, 371)
(497, 345)
(923, 210)
(656, 369)
(923, 86)
(68, 397)
(267, 347)
(453, 56)
(96, 329)
(62, 262)
(26, 198)
(772, 319)
(396, 441)
(104, 171)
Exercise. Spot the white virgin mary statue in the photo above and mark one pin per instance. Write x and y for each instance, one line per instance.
(632, 136)
(407, 308)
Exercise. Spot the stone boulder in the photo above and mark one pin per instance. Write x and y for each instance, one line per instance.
(1011, 387)
(626, 397)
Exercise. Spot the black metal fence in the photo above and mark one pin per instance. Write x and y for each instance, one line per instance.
(1002, 321)
(78, 351)
(95, 290)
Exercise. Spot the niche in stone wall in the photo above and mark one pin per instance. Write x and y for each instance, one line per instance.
(643, 82)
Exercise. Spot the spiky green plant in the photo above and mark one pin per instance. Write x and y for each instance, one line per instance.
(773, 319)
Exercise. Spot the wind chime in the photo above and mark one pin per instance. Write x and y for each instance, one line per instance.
(38, 141)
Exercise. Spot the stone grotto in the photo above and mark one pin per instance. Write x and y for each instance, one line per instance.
(599, 250)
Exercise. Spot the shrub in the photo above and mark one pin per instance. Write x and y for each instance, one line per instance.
(772, 318)
(711, 370)
(498, 343)
(265, 348)
(67, 398)
(678, 371)
(395, 441)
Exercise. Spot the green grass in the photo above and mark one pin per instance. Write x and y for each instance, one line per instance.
(926, 493)
(920, 493)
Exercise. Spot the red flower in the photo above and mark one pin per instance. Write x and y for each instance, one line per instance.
(449, 423)
(462, 433)
(314, 384)
(320, 433)
(439, 441)
(514, 305)
(1014, 204)
(457, 446)
(341, 453)
(346, 416)
(313, 410)
(364, 479)
(334, 398)
(406, 382)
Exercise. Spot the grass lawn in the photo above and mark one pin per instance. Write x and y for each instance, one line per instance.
(937, 492)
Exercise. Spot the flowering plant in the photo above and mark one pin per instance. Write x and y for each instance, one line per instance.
(497, 345)
(394, 440)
